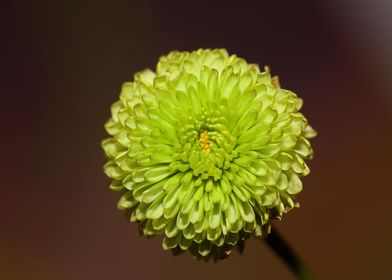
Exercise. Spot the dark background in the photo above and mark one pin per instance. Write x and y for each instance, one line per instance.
(62, 65)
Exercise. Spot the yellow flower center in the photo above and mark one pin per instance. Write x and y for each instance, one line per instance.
(205, 142)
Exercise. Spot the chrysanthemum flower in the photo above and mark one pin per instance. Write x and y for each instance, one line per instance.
(207, 150)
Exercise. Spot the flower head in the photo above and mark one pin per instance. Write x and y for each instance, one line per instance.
(207, 150)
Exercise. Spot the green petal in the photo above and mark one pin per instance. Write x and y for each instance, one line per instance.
(303, 147)
(116, 186)
(198, 214)
(141, 211)
(171, 229)
(127, 201)
(172, 211)
(155, 210)
(232, 238)
(113, 171)
(246, 211)
(160, 223)
(295, 184)
(214, 233)
(215, 217)
(269, 198)
(185, 243)
(171, 199)
(152, 193)
(189, 232)
(241, 193)
(282, 183)
(170, 243)
(182, 220)
(157, 173)
(205, 248)
(259, 168)
(232, 213)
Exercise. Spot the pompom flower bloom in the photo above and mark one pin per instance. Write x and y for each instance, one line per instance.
(207, 150)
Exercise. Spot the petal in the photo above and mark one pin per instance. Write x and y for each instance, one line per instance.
(182, 220)
(185, 243)
(170, 243)
(215, 217)
(127, 201)
(247, 212)
(295, 184)
(205, 248)
(189, 232)
(198, 213)
(171, 230)
(155, 210)
(157, 173)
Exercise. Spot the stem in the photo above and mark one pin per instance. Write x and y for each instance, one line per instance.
(284, 251)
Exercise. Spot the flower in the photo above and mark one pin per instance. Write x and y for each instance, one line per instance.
(207, 150)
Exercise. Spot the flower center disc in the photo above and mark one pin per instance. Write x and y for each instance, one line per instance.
(205, 142)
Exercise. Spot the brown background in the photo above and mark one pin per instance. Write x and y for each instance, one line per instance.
(62, 66)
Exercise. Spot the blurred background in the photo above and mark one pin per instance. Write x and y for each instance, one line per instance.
(62, 65)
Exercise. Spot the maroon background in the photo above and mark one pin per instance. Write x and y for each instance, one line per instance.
(63, 63)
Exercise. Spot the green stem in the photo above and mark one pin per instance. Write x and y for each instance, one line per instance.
(284, 251)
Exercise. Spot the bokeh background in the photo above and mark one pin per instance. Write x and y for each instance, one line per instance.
(62, 65)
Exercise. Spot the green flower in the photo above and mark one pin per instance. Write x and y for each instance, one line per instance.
(207, 150)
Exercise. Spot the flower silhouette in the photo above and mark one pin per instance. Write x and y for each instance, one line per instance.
(207, 150)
